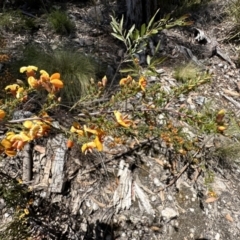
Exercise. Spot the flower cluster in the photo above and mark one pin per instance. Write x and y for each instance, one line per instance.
(52, 84)
(84, 131)
(32, 130)
(38, 126)
(121, 120)
(130, 82)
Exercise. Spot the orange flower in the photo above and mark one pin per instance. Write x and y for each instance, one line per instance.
(123, 120)
(125, 81)
(142, 83)
(51, 83)
(70, 143)
(2, 114)
(56, 83)
(55, 80)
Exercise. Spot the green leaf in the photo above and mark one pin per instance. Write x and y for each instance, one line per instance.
(154, 31)
(130, 31)
(125, 70)
(152, 19)
(143, 30)
(157, 47)
(121, 23)
(148, 60)
(118, 37)
(135, 35)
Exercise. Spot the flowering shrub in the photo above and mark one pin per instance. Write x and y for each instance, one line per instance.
(38, 126)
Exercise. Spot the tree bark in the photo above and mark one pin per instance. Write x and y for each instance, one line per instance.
(140, 11)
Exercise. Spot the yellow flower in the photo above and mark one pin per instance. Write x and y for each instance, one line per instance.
(20, 93)
(12, 88)
(221, 112)
(98, 143)
(96, 131)
(26, 211)
(18, 141)
(36, 128)
(6, 146)
(30, 70)
(33, 83)
(76, 128)
(6, 143)
(2, 114)
(142, 83)
(123, 120)
(88, 147)
(44, 76)
(10, 152)
(125, 81)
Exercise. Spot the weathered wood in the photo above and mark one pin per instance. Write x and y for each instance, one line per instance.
(57, 151)
(27, 163)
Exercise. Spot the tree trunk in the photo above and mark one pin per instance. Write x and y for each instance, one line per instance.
(140, 11)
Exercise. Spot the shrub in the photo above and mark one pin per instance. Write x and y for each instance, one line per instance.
(76, 69)
(60, 22)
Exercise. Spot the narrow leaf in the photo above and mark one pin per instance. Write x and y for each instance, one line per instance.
(148, 60)
(152, 19)
(118, 37)
(130, 31)
(121, 23)
(143, 29)
(127, 70)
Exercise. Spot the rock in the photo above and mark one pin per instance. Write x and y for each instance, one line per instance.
(218, 185)
(168, 214)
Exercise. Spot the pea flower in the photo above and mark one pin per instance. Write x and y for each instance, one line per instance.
(30, 70)
(125, 81)
(142, 83)
(123, 120)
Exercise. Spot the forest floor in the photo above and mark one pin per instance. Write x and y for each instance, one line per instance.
(192, 201)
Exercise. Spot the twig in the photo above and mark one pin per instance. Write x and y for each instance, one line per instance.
(28, 119)
(237, 104)
(175, 179)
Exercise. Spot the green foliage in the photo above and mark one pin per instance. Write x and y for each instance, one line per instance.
(76, 69)
(186, 72)
(180, 7)
(60, 22)
(136, 39)
(16, 197)
(234, 12)
(15, 21)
